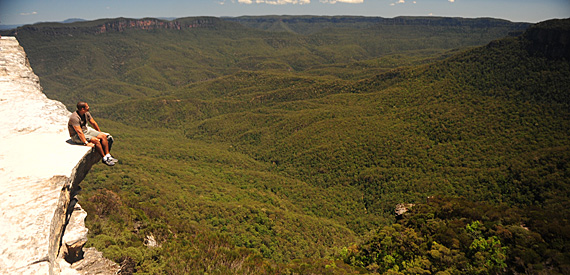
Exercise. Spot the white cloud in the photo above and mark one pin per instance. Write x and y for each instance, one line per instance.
(275, 2)
(283, 2)
(29, 13)
(342, 1)
(293, 2)
(398, 2)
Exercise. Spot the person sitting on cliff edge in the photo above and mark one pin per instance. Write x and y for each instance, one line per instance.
(81, 134)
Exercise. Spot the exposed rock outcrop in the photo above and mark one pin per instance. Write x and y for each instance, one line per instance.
(117, 25)
(550, 38)
(402, 208)
(40, 174)
(123, 24)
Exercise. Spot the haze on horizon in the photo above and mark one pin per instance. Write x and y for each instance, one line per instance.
(19, 12)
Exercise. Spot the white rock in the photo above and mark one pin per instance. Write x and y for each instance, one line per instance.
(35, 162)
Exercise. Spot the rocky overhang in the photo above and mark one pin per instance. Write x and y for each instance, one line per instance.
(41, 224)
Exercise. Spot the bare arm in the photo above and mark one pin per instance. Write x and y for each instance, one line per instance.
(94, 124)
(79, 132)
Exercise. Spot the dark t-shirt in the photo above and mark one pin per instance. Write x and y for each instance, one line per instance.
(76, 120)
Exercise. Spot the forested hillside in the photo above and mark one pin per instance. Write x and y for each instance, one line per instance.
(244, 150)
(314, 24)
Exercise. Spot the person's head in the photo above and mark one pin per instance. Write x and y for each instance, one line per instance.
(82, 107)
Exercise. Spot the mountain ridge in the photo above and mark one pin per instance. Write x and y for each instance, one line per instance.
(117, 25)
(233, 47)
(272, 23)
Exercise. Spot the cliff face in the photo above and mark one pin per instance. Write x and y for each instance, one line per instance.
(118, 25)
(550, 38)
(40, 172)
(151, 24)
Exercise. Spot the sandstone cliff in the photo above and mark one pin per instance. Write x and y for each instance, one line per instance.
(118, 25)
(550, 39)
(41, 222)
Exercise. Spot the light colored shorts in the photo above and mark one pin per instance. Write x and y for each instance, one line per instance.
(89, 134)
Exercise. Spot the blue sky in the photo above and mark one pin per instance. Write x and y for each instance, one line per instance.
(14, 12)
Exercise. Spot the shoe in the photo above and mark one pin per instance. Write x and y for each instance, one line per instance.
(108, 162)
(112, 158)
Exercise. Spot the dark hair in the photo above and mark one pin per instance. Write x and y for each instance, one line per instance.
(81, 105)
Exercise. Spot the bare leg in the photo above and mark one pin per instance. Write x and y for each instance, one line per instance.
(98, 146)
(104, 143)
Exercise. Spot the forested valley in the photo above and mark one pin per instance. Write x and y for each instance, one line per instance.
(282, 145)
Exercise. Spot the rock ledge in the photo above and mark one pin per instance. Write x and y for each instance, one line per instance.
(40, 172)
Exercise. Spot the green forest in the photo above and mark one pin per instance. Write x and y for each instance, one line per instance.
(282, 145)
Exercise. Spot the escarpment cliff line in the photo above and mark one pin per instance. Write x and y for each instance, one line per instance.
(119, 25)
(37, 166)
